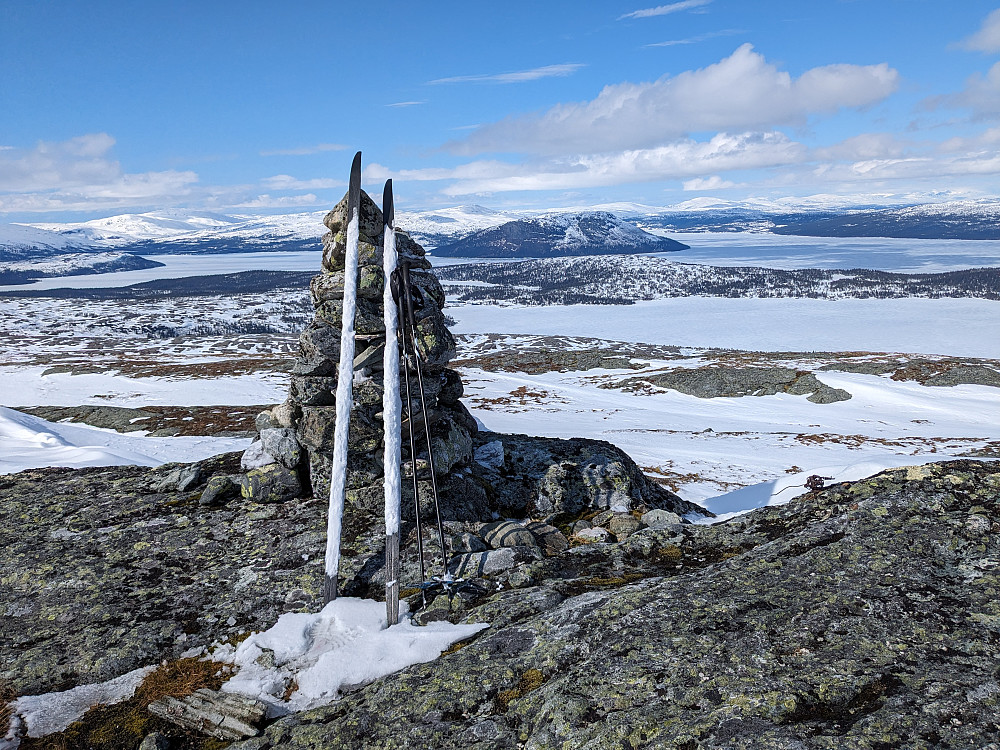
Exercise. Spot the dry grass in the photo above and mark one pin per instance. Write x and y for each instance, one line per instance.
(7, 695)
(124, 724)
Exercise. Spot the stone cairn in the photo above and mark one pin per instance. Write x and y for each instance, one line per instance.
(292, 458)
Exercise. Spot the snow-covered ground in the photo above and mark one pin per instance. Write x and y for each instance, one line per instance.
(29, 442)
(707, 447)
(183, 266)
(315, 656)
(789, 252)
(966, 327)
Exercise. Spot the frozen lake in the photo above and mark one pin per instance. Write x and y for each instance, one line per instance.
(712, 248)
(787, 252)
(960, 327)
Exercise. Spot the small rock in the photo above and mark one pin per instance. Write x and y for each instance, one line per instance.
(623, 525)
(219, 489)
(549, 538)
(226, 716)
(466, 542)
(579, 526)
(270, 484)
(284, 414)
(593, 534)
(181, 478)
(507, 534)
(280, 442)
(264, 420)
(154, 741)
(602, 518)
(255, 457)
(660, 519)
(490, 455)
(479, 564)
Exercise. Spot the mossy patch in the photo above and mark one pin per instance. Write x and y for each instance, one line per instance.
(124, 725)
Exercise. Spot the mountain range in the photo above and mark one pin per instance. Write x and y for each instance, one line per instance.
(464, 229)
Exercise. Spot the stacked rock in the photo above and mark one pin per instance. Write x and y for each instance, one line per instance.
(293, 455)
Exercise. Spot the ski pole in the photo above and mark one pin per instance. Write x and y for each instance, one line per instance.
(411, 321)
(397, 295)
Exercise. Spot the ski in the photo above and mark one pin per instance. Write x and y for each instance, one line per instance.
(345, 378)
(391, 415)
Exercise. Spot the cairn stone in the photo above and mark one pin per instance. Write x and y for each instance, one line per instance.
(296, 446)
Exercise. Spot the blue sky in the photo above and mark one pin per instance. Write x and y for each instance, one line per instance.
(254, 106)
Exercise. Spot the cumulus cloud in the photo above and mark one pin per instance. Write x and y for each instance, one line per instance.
(519, 76)
(981, 93)
(707, 183)
(662, 10)
(742, 91)
(287, 182)
(862, 147)
(79, 173)
(987, 39)
(319, 148)
(681, 159)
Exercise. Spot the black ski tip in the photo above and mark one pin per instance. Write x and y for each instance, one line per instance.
(388, 211)
(354, 189)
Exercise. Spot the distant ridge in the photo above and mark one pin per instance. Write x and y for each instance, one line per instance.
(956, 220)
(587, 233)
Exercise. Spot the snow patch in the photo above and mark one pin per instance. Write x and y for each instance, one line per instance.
(39, 715)
(344, 645)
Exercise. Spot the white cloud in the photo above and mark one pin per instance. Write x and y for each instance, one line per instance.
(305, 150)
(520, 76)
(981, 93)
(80, 174)
(862, 146)
(286, 201)
(696, 39)
(681, 159)
(987, 39)
(287, 182)
(405, 104)
(662, 10)
(707, 183)
(742, 91)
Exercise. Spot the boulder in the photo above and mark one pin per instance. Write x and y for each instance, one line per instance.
(271, 484)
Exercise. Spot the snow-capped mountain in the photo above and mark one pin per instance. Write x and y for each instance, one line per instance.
(198, 231)
(590, 233)
(20, 241)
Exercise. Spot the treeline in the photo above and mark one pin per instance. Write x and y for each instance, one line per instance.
(624, 279)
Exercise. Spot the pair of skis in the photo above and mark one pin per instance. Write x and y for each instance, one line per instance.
(397, 301)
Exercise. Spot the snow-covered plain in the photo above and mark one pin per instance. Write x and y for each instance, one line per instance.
(966, 327)
(29, 442)
(708, 447)
(789, 252)
(183, 266)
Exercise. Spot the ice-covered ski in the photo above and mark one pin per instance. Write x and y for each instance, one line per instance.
(345, 378)
(391, 415)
